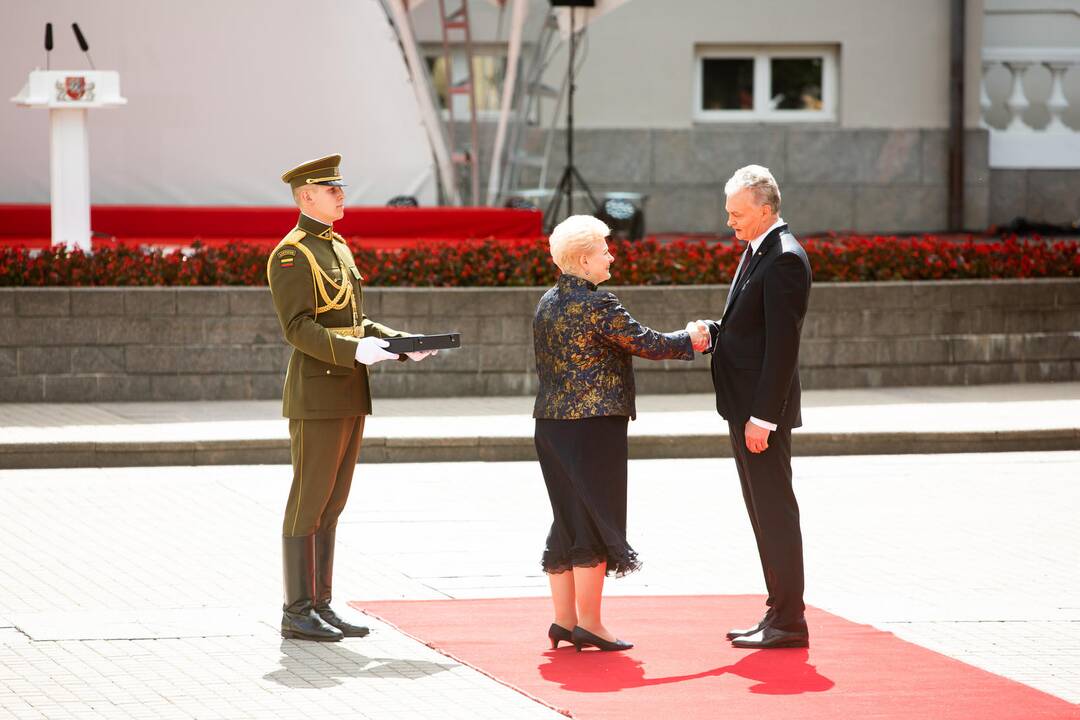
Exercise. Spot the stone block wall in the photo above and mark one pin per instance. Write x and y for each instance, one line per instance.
(1042, 196)
(128, 344)
(862, 180)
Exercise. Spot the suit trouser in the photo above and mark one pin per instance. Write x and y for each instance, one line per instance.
(324, 454)
(774, 516)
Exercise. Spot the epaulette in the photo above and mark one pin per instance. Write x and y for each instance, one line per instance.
(337, 236)
(291, 240)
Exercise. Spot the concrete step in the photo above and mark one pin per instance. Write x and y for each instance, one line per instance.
(235, 451)
(991, 418)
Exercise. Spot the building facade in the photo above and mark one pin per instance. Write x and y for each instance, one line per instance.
(847, 101)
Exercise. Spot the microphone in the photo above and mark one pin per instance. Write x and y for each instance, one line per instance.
(83, 45)
(48, 43)
(79, 36)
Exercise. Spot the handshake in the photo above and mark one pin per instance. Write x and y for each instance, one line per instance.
(699, 335)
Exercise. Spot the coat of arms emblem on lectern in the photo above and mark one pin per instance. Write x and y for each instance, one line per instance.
(74, 89)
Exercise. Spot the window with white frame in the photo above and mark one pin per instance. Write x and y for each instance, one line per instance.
(763, 83)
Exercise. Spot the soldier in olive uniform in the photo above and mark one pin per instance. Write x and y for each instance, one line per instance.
(316, 289)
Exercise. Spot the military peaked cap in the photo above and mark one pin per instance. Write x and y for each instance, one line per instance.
(323, 171)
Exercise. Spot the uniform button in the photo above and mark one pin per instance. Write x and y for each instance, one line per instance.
(327, 372)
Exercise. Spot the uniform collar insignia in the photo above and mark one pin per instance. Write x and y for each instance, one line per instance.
(313, 227)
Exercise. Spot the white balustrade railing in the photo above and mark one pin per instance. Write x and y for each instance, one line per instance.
(1018, 144)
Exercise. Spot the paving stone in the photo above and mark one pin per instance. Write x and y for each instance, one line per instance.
(987, 594)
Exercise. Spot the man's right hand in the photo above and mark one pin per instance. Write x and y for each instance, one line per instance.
(699, 335)
(370, 351)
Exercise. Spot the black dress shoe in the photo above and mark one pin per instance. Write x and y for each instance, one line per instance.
(583, 638)
(732, 634)
(557, 634)
(305, 624)
(769, 637)
(347, 629)
(769, 615)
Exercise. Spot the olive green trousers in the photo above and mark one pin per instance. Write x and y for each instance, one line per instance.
(324, 456)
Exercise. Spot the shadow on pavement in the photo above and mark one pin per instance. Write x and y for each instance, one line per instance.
(324, 665)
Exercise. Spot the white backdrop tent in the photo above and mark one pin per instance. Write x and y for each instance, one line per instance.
(223, 95)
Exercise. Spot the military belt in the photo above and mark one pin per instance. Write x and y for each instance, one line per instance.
(356, 332)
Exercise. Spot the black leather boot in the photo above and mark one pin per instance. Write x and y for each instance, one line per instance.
(324, 580)
(299, 621)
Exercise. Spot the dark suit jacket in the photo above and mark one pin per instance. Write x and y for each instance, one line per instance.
(584, 341)
(755, 345)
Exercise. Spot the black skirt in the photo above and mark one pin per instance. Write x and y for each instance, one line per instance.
(584, 466)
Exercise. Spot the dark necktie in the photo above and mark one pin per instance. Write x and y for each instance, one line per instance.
(739, 271)
(743, 263)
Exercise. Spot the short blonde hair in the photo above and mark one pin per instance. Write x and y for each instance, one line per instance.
(296, 193)
(759, 181)
(574, 237)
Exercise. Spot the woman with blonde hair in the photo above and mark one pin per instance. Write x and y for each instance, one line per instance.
(584, 342)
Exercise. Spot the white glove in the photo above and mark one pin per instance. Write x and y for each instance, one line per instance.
(421, 354)
(370, 351)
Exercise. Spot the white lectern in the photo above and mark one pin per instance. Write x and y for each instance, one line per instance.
(68, 94)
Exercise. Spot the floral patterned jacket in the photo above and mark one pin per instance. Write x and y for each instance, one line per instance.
(584, 341)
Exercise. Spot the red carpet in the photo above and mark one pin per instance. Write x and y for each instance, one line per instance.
(682, 667)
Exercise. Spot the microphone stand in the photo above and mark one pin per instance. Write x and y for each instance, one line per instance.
(83, 45)
(566, 182)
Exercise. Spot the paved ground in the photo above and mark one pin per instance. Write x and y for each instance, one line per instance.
(153, 593)
(870, 421)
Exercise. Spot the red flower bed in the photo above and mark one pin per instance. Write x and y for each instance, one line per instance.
(526, 263)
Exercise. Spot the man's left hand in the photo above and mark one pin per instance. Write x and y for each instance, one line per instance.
(421, 354)
(757, 438)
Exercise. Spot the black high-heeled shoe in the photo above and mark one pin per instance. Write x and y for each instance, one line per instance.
(583, 638)
(557, 634)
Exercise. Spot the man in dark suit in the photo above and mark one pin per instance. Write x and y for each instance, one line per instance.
(755, 349)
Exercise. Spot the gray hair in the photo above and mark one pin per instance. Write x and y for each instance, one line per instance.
(574, 237)
(759, 181)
